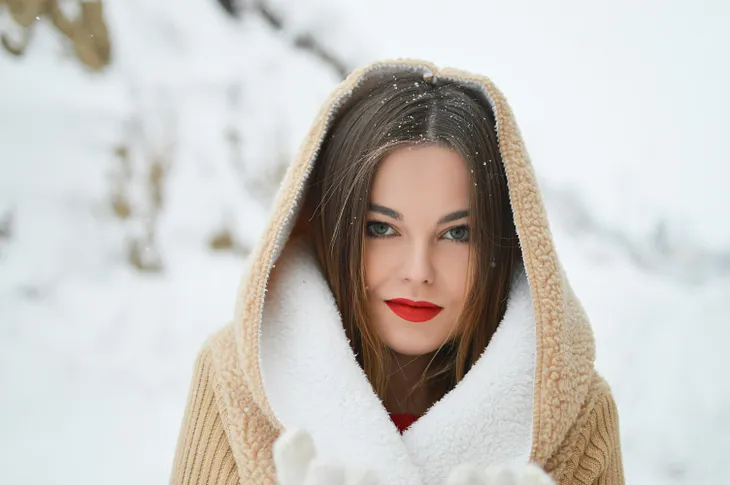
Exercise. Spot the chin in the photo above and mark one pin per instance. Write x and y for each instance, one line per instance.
(414, 339)
(410, 347)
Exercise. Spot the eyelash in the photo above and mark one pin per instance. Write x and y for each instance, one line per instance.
(368, 233)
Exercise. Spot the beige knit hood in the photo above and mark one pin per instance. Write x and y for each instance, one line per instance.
(565, 392)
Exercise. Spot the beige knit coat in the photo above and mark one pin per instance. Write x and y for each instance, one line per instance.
(231, 422)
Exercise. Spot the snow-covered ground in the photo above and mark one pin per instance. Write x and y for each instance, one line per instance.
(622, 109)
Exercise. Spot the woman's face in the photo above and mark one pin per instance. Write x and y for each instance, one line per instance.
(417, 248)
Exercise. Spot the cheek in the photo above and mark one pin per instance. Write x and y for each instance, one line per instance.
(380, 260)
(454, 269)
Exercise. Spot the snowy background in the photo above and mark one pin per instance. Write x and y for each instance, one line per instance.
(130, 198)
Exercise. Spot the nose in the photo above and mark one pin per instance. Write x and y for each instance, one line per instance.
(418, 264)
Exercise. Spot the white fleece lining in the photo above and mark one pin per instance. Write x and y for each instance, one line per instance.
(313, 381)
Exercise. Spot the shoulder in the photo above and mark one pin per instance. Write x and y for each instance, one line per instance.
(591, 450)
(203, 433)
(601, 413)
(221, 390)
(218, 364)
(219, 348)
(599, 398)
(214, 369)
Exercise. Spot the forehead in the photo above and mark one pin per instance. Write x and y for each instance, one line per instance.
(429, 177)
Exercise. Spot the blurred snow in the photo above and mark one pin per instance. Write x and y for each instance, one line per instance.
(622, 109)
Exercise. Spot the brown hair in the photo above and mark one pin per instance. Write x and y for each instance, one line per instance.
(403, 111)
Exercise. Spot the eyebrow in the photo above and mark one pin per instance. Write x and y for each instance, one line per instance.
(450, 217)
(454, 216)
(385, 211)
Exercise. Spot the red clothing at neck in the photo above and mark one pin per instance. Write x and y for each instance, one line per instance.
(403, 421)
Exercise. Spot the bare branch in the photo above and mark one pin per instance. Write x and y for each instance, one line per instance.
(87, 33)
(305, 41)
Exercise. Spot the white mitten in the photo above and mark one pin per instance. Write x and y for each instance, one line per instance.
(529, 474)
(296, 464)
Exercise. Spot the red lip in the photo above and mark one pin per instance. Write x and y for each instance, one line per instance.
(413, 311)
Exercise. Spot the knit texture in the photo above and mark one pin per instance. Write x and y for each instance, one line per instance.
(203, 453)
(591, 454)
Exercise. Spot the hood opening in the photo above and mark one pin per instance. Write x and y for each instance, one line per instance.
(564, 342)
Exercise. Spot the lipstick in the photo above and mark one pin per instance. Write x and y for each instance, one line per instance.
(413, 311)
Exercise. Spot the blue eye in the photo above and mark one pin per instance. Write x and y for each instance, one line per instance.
(380, 229)
(457, 234)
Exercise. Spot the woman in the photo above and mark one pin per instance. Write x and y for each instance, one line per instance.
(405, 305)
